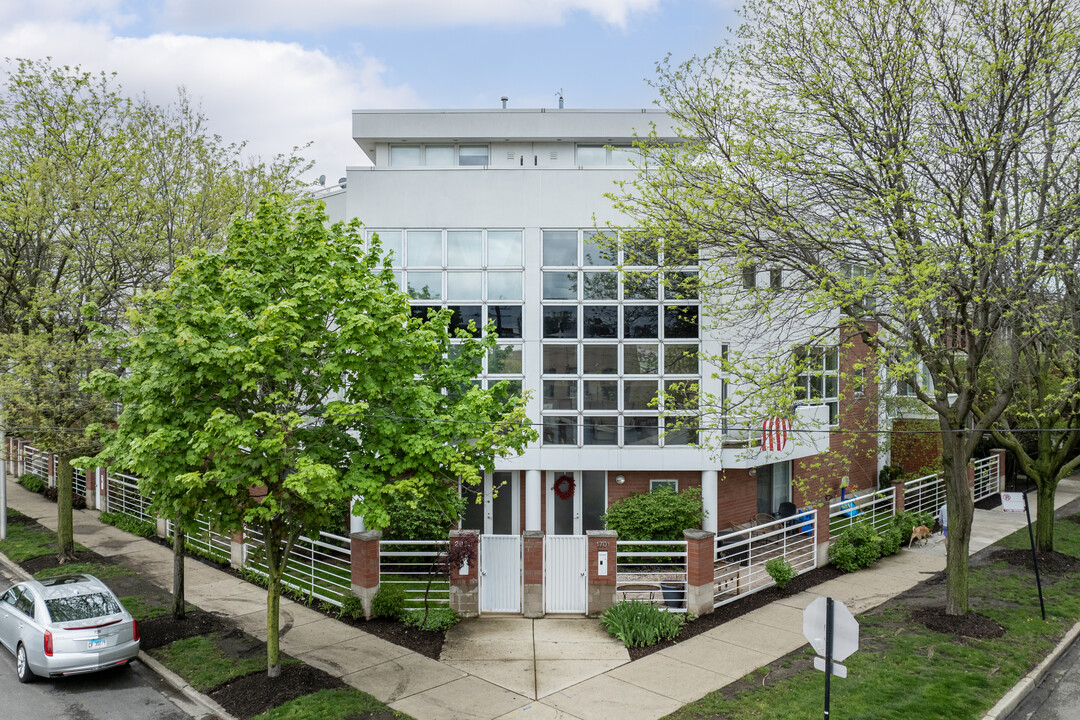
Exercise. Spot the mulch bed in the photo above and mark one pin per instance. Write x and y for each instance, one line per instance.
(426, 642)
(162, 630)
(732, 610)
(44, 562)
(989, 503)
(1052, 562)
(971, 624)
(251, 695)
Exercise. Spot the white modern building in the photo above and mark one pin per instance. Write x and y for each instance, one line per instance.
(494, 213)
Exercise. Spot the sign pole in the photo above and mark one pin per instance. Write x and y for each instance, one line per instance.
(828, 650)
(1034, 556)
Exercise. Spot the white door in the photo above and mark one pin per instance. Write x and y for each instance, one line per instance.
(566, 574)
(500, 573)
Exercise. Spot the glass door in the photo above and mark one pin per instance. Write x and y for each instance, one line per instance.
(497, 512)
(576, 501)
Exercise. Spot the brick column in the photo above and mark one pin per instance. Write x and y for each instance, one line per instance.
(532, 562)
(52, 469)
(700, 570)
(1000, 454)
(898, 489)
(162, 527)
(91, 484)
(465, 581)
(821, 529)
(602, 545)
(364, 557)
(103, 488)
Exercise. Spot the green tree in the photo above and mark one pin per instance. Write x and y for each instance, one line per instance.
(272, 382)
(904, 165)
(98, 196)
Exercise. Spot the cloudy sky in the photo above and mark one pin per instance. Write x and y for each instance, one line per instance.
(281, 73)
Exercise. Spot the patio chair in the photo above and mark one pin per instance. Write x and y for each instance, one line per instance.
(785, 511)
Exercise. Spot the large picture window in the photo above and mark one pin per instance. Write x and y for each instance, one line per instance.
(819, 380)
(614, 340)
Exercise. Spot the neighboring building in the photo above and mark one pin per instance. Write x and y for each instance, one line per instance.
(494, 213)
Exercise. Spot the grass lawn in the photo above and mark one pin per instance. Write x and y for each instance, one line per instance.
(27, 541)
(209, 660)
(903, 670)
(99, 570)
(331, 705)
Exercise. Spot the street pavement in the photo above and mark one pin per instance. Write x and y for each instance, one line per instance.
(126, 693)
(1057, 697)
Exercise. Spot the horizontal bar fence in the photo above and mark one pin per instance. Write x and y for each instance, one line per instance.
(986, 477)
(739, 562)
(925, 494)
(652, 571)
(205, 540)
(411, 565)
(318, 569)
(78, 481)
(123, 496)
(36, 462)
(876, 507)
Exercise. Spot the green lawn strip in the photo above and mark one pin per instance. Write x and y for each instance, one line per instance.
(331, 705)
(903, 670)
(26, 541)
(140, 609)
(98, 570)
(203, 663)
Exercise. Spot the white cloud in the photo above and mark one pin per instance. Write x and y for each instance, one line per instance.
(275, 95)
(214, 15)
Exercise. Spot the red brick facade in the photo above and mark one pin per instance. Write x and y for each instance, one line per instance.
(915, 451)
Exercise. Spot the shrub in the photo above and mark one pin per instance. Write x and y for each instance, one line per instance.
(127, 523)
(51, 493)
(425, 521)
(32, 482)
(780, 571)
(891, 540)
(906, 521)
(78, 502)
(662, 514)
(856, 548)
(440, 618)
(888, 475)
(352, 607)
(389, 602)
(639, 624)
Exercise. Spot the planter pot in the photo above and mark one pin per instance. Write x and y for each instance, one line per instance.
(674, 594)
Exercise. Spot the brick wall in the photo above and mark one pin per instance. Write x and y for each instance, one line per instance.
(637, 481)
(914, 452)
(736, 495)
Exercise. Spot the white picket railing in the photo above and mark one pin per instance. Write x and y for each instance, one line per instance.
(204, 540)
(986, 477)
(876, 507)
(925, 494)
(35, 462)
(123, 496)
(315, 568)
(412, 566)
(652, 571)
(739, 562)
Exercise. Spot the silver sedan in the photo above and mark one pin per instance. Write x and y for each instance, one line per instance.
(64, 626)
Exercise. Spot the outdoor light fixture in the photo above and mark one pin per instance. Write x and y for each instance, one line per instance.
(752, 472)
(620, 479)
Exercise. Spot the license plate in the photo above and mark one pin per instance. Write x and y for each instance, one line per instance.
(96, 642)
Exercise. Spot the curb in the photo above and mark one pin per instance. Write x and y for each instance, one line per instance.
(185, 689)
(176, 682)
(1030, 681)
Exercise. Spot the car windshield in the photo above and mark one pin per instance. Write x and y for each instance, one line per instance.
(81, 607)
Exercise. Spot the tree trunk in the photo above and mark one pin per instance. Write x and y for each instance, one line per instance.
(960, 511)
(1044, 515)
(178, 610)
(65, 532)
(274, 563)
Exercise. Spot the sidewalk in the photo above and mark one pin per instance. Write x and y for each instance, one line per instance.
(501, 668)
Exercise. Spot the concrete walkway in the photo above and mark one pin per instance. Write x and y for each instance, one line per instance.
(510, 667)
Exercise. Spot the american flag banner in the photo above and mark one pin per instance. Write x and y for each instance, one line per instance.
(774, 433)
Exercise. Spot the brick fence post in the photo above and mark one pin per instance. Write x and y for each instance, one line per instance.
(236, 551)
(364, 559)
(898, 493)
(52, 469)
(602, 546)
(103, 488)
(1000, 454)
(465, 580)
(532, 562)
(700, 572)
(821, 529)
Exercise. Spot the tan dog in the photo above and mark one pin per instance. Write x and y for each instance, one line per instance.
(920, 533)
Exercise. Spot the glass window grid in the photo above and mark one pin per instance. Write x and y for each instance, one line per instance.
(580, 414)
(470, 158)
(819, 383)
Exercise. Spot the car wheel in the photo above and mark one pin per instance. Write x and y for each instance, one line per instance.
(22, 666)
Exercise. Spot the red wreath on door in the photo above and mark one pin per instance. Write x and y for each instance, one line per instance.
(564, 487)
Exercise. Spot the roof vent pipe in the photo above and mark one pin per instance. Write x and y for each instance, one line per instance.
(504, 99)
(560, 98)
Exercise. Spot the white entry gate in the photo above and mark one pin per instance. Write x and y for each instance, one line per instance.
(566, 574)
(500, 573)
